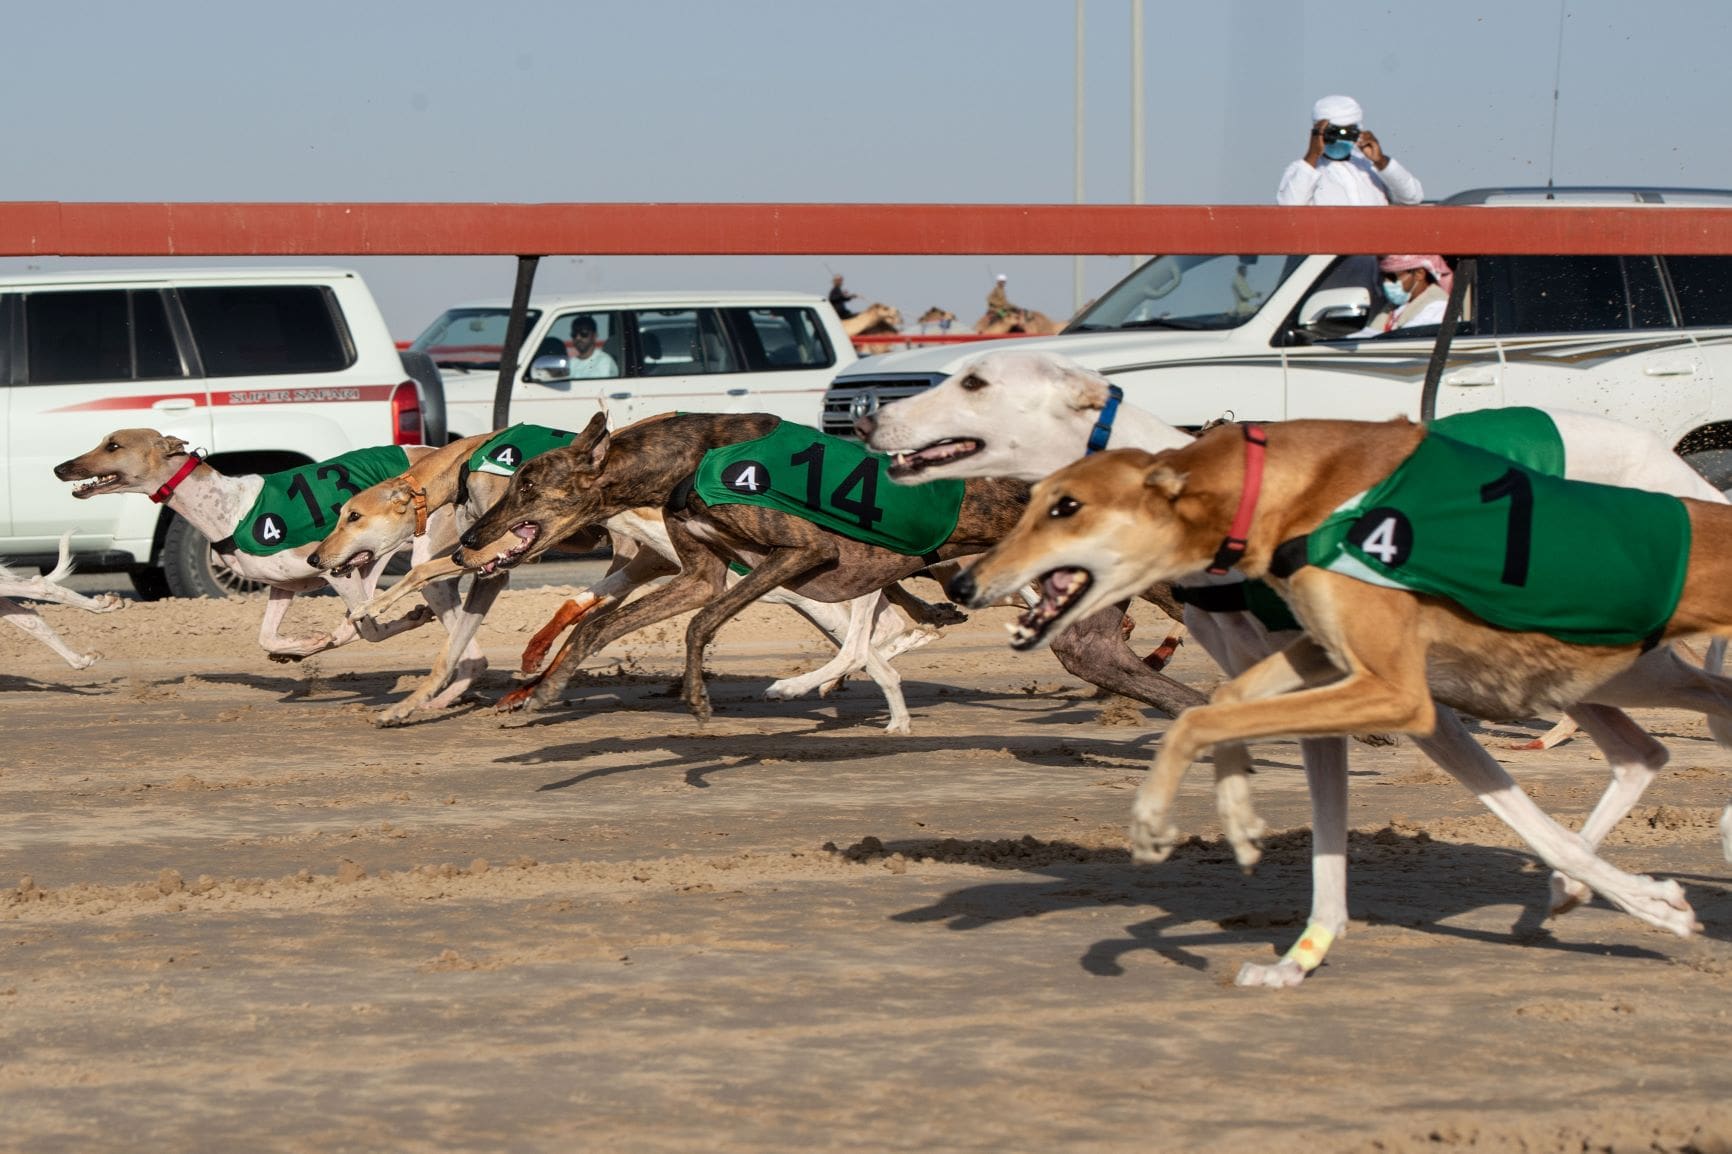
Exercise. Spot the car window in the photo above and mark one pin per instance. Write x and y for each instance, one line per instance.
(99, 335)
(591, 342)
(1704, 288)
(681, 342)
(470, 338)
(245, 330)
(779, 338)
(1571, 294)
(1188, 292)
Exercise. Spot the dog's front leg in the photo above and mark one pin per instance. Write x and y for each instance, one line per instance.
(1094, 649)
(1635, 757)
(414, 580)
(283, 648)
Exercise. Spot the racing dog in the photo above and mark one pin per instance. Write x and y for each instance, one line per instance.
(47, 587)
(469, 477)
(1419, 566)
(601, 474)
(224, 508)
(1027, 414)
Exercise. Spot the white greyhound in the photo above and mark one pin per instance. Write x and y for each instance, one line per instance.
(146, 461)
(1026, 414)
(47, 587)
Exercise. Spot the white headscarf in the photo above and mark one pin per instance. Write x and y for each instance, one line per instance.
(1342, 110)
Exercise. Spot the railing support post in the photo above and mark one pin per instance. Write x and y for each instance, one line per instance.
(1465, 270)
(513, 340)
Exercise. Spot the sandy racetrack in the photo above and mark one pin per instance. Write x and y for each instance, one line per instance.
(236, 916)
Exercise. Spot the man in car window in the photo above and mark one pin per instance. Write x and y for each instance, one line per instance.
(1345, 164)
(589, 359)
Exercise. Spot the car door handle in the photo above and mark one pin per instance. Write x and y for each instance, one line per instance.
(1473, 378)
(737, 392)
(618, 396)
(1670, 369)
(175, 404)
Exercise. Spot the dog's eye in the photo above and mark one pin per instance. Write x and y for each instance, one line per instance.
(114, 446)
(972, 382)
(1064, 507)
(353, 516)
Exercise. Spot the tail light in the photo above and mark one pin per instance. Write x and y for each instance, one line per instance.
(406, 415)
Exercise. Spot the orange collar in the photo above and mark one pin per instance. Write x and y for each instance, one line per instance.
(418, 497)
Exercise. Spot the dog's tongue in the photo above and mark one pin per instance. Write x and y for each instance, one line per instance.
(526, 531)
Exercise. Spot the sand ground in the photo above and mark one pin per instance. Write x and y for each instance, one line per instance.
(234, 915)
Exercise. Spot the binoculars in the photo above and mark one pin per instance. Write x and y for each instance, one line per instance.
(1334, 132)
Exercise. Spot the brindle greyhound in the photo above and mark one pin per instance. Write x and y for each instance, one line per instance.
(598, 475)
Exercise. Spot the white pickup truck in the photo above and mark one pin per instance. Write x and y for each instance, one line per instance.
(633, 355)
(1646, 340)
(264, 368)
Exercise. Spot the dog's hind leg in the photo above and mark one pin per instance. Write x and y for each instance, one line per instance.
(26, 619)
(858, 650)
(1326, 774)
(1635, 757)
(782, 564)
(1659, 903)
(1094, 649)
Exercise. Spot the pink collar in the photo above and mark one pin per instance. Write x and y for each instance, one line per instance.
(193, 460)
(1233, 544)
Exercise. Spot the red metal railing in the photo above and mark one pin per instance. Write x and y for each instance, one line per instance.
(44, 228)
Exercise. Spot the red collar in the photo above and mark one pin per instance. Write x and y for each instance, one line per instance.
(1233, 544)
(193, 460)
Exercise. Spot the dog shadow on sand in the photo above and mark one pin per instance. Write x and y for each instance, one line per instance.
(1398, 878)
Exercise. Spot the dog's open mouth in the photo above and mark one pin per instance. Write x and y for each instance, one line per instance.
(354, 561)
(98, 484)
(906, 464)
(526, 533)
(1059, 589)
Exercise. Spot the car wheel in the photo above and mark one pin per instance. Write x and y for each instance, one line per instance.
(192, 568)
(150, 583)
(1715, 465)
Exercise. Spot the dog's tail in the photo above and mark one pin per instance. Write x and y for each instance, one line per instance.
(64, 568)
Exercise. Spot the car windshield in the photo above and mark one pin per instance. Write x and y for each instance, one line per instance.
(1188, 292)
(469, 338)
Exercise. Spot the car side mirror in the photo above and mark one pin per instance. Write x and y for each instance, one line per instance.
(1335, 312)
(552, 368)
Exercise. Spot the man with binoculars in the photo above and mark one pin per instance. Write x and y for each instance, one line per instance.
(1344, 164)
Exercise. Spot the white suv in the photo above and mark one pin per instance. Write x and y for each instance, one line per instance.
(634, 355)
(1647, 340)
(265, 368)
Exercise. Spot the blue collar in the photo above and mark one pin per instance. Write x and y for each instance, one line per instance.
(1103, 429)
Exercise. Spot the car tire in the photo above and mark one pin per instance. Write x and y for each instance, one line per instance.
(1715, 465)
(150, 583)
(192, 569)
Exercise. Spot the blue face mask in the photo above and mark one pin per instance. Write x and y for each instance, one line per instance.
(1394, 293)
(1338, 149)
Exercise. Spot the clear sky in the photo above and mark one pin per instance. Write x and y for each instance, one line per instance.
(804, 100)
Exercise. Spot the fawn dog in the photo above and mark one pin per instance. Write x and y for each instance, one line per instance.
(1375, 653)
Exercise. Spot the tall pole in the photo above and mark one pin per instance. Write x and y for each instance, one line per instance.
(1077, 295)
(1136, 108)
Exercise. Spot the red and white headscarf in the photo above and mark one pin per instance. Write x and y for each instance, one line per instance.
(1430, 262)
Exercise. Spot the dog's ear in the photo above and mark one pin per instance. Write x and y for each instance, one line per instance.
(1166, 480)
(1083, 388)
(598, 452)
(172, 446)
(596, 429)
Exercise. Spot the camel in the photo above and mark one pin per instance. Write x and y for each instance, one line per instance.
(875, 318)
(1003, 317)
(943, 318)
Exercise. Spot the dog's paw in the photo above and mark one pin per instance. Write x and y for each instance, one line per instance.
(1376, 740)
(900, 728)
(1152, 840)
(1726, 833)
(783, 690)
(944, 615)
(1282, 975)
(1567, 894)
(107, 603)
(84, 660)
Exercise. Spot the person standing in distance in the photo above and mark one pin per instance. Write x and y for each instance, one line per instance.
(1344, 164)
